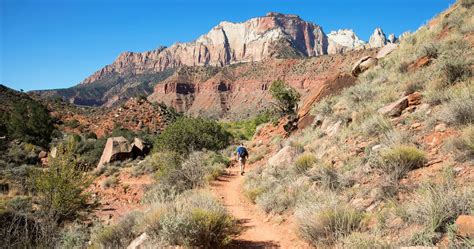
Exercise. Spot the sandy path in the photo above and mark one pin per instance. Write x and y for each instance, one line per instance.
(257, 231)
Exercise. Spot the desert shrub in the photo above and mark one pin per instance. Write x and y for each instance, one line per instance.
(326, 224)
(193, 134)
(326, 176)
(30, 122)
(258, 155)
(287, 98)
(177, 175)
(463, 145)
(194, 219)
(75, 236)
(403, 67)
(375, 125)
(253, 193)
(275, 200)
(436, 206)
(73, 123)
(454, 70)
(397, 161)
(118, 235)
(61, 187)
(304, 162)
(109, 182)
(429, 50)
(358, 240)
(460, 108)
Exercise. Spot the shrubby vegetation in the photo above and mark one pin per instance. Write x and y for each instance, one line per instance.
(193, 134)
(364, 167)
(245, 129)
(287, 98)
(29, 122)
(60, 188)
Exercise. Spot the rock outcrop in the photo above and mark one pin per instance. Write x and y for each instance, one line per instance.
(343, 40)
(378, 39)
(120, 149)
(363, 64)
(241, 91)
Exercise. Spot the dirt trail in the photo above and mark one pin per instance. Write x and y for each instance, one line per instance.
(257, 232)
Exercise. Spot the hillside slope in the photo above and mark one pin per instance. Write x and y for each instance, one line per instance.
(389, 161)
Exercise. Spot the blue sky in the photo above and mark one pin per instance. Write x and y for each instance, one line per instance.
(48, 44)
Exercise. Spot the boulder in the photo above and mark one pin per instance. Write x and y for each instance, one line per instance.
(42, 154)
(465, 226)
(363, 64)
(139, 242)
(116, 148)
(386, 50)
(440, 127)
(284, 157)
(394, 109)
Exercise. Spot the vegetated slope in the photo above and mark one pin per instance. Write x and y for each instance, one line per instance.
(272, 36)
(389, 161)
(114, 89)
(136, 115)
(241, 90)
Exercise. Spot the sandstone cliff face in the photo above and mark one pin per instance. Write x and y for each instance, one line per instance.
(240, 91)
(274, 35)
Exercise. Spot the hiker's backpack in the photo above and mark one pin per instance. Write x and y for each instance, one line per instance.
(242, 152)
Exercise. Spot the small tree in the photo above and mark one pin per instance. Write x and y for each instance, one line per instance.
(61, 187)
(287, 97)
(188, 134)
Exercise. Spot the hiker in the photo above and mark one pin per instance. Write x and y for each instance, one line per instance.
(242, 155)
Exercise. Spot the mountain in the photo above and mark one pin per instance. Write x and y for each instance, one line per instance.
(272, 36)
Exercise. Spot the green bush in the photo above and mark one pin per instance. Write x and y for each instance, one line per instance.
(397, 161)
(245, 129)
(193, 134)
(287, 98)
(30, 122)
(61, 187)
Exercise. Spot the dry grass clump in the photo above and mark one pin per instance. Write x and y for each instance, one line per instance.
(326, 222)
(194, 219)
(109, 182)
(375, 125)
(304, 162)
(460, 107)
(397, 161)
(116, 236)
(462, 146)
(436, 207)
